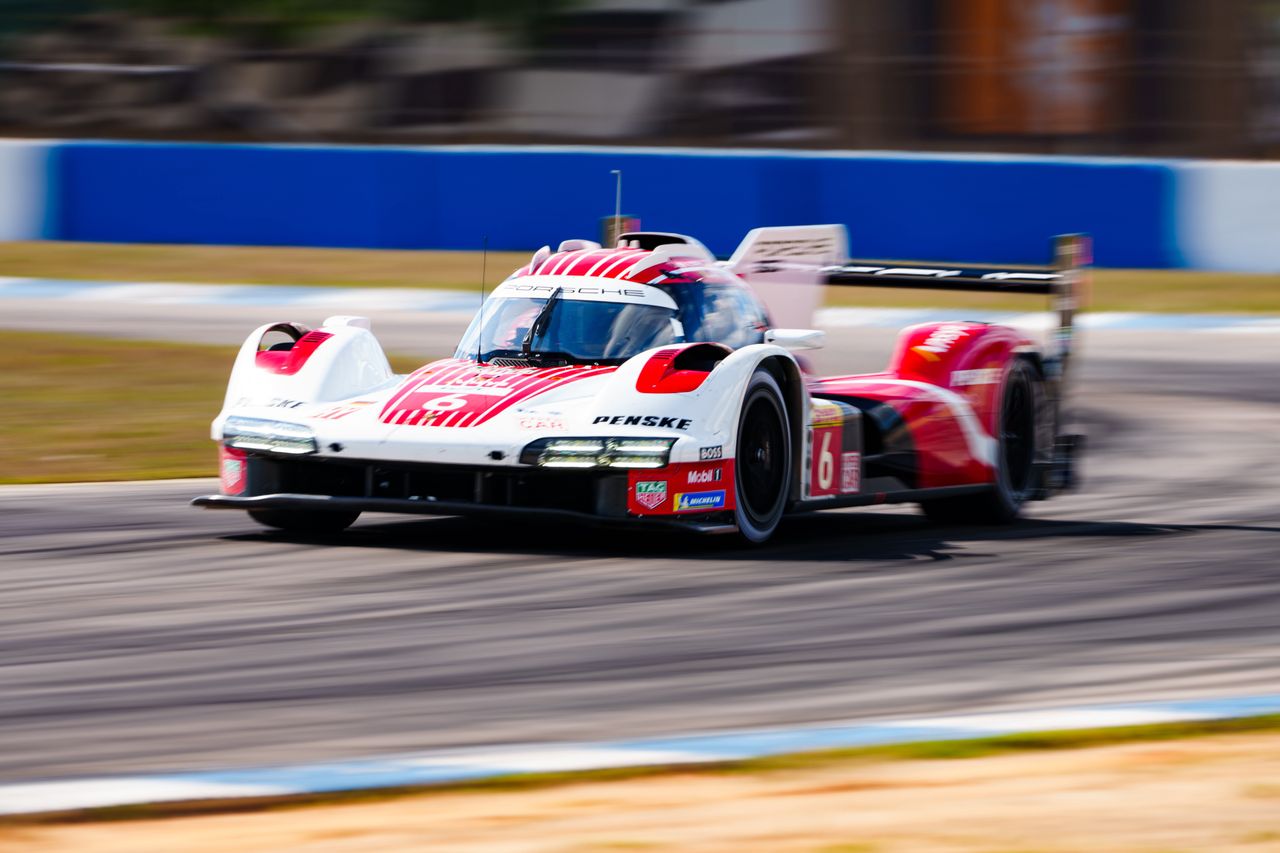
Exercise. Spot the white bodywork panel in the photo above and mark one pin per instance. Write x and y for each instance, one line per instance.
(583, 288)
(342, 389)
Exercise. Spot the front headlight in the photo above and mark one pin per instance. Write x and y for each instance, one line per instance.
(598, 452)
(268, 436)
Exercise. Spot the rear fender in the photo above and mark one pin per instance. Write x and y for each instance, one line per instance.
(968, 358)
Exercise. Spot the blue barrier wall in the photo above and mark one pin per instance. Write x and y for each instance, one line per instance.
(909, 206)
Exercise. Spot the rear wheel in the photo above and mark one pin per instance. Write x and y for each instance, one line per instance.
(311, 522)
(1015, 459)
(763, 466)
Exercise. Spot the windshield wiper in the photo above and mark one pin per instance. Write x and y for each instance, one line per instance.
(539, 324)
(548, 358)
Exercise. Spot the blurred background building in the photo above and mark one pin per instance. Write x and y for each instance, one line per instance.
(1158, 77)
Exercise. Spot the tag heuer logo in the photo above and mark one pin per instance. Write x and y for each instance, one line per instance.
(650, 494)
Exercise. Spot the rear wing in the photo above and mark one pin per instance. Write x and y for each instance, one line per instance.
(786, 267)
(1062, 280)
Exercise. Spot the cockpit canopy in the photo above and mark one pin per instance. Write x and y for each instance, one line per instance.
(578, 319)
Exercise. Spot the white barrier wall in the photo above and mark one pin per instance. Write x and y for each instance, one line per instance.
(1228, 215)
(24, 183)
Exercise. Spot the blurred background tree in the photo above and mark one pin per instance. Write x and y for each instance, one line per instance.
(283, 19)
(291, 17)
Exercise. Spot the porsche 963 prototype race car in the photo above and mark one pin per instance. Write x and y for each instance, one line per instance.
(650, 384)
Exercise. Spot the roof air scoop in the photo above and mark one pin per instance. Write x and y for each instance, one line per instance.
(650, 240)
(578, 245)
(538, 257)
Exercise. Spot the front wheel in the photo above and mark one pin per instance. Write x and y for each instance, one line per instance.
(306, 521)
(762, 470)
(1015, 459)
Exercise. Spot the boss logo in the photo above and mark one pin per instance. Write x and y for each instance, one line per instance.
(716, 452)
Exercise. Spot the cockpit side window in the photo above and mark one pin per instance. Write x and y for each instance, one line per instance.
(719, 312)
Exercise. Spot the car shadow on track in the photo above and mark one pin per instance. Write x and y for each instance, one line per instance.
(833, 536)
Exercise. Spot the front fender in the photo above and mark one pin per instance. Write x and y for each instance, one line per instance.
(345, 361)
(712, 410)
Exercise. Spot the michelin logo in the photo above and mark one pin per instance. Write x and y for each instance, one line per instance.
(686, 501)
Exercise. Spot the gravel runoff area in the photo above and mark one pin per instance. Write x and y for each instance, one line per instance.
(1217, 793)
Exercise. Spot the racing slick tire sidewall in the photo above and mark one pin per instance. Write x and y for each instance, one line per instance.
(1015, 454)
(1016, 440)
(762, 472)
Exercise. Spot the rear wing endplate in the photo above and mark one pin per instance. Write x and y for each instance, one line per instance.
(1063, 280)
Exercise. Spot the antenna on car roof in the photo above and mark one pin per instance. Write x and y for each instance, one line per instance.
(484, 273)
(617, 205)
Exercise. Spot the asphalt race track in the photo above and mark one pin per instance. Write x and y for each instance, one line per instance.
(432, 335)
(139, 634)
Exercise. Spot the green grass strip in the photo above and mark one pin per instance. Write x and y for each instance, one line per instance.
(86, 408)
(1176, 291)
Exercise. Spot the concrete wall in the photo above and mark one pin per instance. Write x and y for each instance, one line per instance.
(27, 190)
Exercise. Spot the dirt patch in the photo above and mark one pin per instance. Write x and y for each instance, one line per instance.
(1204, 794)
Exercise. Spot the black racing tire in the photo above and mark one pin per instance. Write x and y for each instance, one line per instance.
(1015, 458)
(762, 473)
(305, 521)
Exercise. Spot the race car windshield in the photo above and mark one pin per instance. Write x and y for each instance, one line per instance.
(572, 331)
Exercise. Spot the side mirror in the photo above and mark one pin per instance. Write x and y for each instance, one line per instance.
(796, 339)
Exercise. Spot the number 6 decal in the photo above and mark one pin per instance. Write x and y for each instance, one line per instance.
(826, 463)
(447, 403)
(827, 445)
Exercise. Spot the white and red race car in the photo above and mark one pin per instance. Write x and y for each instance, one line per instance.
(650, 384)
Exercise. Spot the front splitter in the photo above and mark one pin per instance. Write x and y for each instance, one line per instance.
(330, 503)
